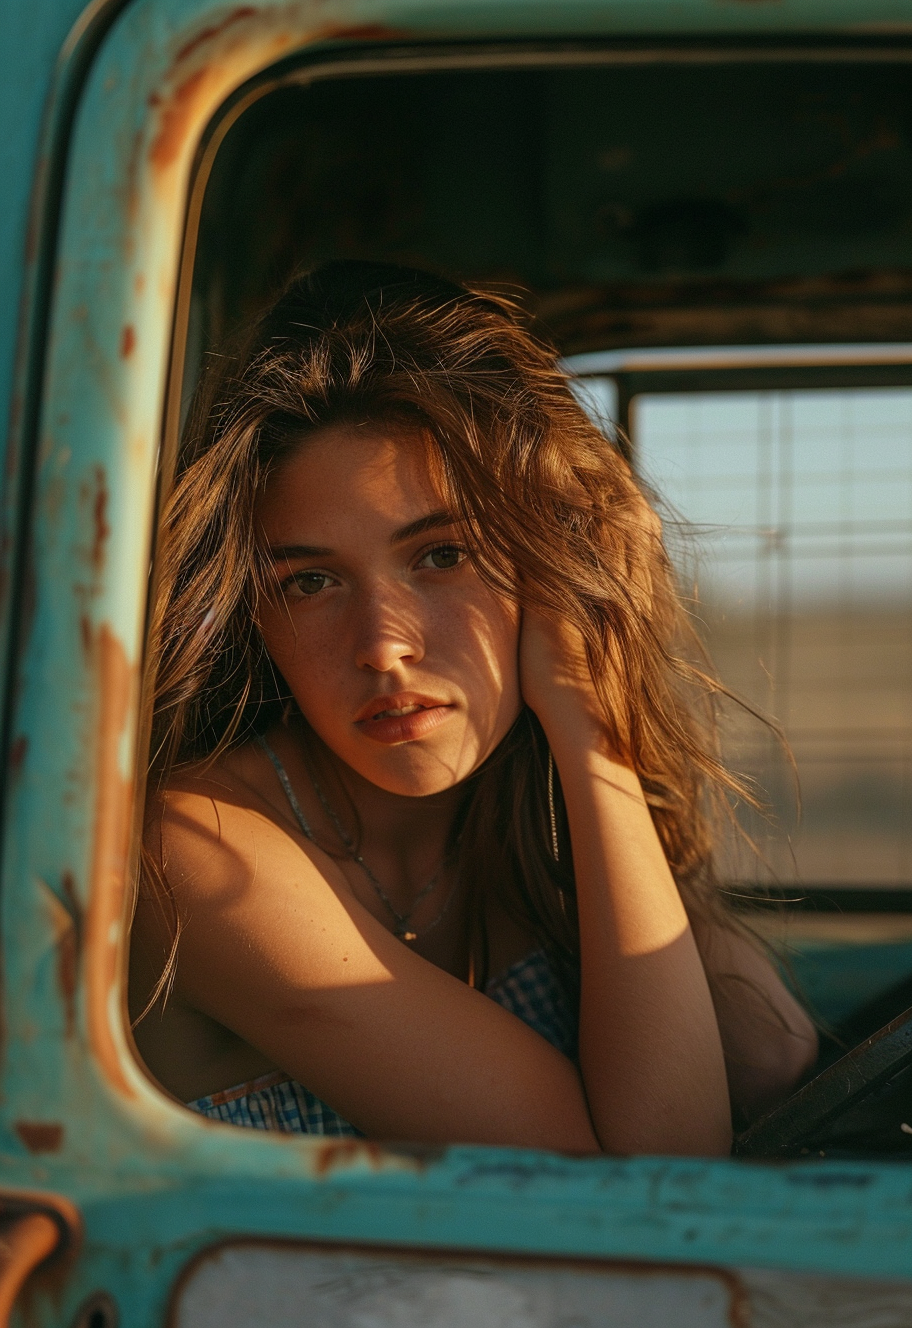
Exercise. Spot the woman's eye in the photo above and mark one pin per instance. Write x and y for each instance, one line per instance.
(444, 557)
(308, 583)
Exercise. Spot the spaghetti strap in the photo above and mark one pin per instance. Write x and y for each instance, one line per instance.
(286, 785)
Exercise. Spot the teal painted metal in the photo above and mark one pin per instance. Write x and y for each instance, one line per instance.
(153, 1183)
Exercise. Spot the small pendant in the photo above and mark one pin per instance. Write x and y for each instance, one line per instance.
(407, 935)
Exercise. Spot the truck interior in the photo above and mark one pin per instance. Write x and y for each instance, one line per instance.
(716, 238)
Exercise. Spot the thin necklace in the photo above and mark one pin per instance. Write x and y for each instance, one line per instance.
(402, 921)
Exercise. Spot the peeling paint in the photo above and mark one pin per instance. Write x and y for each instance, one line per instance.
(182, 110)
(343, 1152)
(214, 30)
(40, 1136)
(69, 952)
(177, 113)
(101, 528)
(18, 753)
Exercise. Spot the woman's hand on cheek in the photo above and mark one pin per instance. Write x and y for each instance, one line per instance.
(555, 679)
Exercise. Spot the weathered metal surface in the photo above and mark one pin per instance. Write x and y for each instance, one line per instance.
(154, 1184)
(258, 1286)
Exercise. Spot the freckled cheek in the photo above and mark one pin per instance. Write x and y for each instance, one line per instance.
(308, 658)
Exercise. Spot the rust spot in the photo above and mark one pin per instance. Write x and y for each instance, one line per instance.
(339, 1152)
(100, 517)
(18, 753)
(127, 341)
(69, 951)
(359, 32)
(85, 632)
(40, 1136)
(177, 111)
(214, 30)
(116, 681)
(167, 142)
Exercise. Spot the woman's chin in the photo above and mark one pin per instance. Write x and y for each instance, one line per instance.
(414, 775)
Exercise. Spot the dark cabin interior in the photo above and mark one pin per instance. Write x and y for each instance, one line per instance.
(653, 204)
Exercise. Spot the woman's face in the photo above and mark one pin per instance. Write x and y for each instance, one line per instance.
(398, 655)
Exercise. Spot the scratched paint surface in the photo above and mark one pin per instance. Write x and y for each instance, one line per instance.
(154, 1184)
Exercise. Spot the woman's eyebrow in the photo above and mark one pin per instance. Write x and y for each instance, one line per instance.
(289, 552)
(429, 522)
(285, 553)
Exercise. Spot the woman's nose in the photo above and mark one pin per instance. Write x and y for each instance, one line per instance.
(389, 632)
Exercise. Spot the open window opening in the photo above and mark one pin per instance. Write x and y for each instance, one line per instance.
(754, 205)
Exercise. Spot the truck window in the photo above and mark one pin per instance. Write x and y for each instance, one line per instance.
(800, 555)
(553, 182)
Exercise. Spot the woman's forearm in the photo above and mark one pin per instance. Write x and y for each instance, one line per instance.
(650, 1051)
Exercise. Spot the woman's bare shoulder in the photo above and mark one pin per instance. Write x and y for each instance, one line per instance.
(210, 827)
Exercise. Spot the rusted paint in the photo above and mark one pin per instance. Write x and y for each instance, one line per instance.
(18, 753)
(127, 341)
(101, 528)
(40, 1136)
(332, 1153)
(69, 952)
(177, 113)
(117, 680)
(198, 92)
(342, 1152)
(370, 32)
(65, 913)
(214, 30)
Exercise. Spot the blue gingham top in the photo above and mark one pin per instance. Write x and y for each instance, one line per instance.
(529, 989)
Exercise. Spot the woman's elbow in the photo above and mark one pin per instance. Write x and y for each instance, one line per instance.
(786, 1063)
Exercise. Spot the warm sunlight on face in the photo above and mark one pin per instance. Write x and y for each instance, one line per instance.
(399, 656)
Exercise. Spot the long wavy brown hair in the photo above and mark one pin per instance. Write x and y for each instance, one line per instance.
(552, 515)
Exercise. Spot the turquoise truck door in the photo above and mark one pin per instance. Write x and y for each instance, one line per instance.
(131, 1210)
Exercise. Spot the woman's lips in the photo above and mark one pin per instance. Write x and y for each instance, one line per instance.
(402, 719)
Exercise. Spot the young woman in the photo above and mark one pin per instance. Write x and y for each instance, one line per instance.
(428, 849)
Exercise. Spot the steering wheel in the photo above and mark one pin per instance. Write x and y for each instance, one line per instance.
(809, 1117)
